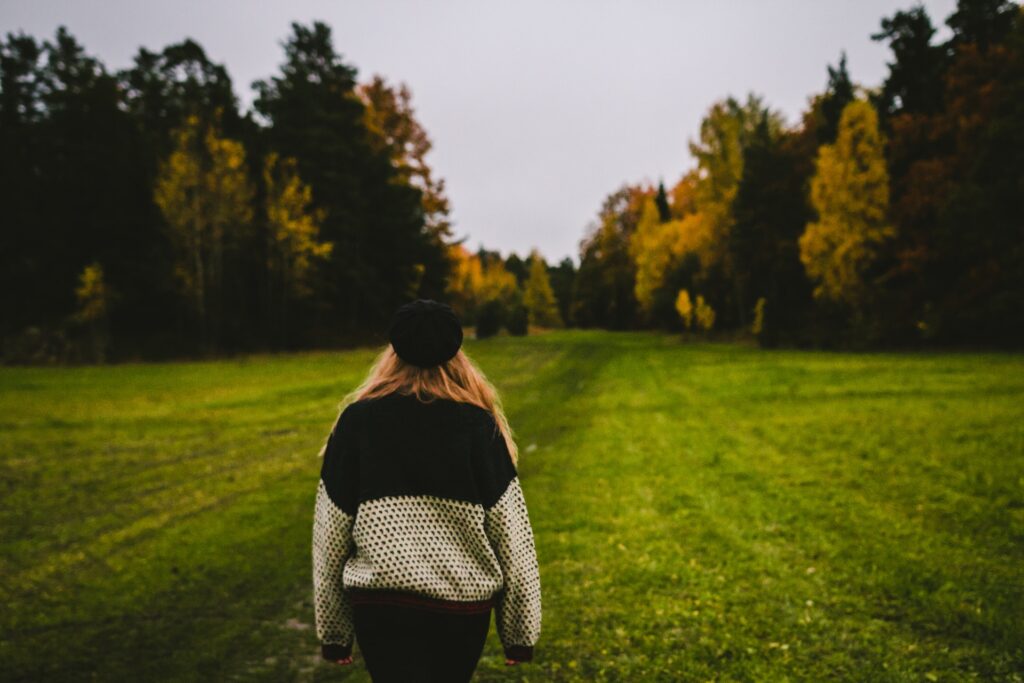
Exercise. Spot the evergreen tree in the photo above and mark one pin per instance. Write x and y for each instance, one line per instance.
(603, 291)
(518, 267)
(562, 277)
(770, 212)
(914, 83)
(661, 199)
(838, 93)
(373, 218)
(726, 131)
(162, 89)
(982, 22)
(74, 191)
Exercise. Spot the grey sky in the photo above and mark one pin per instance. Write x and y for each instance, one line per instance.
(537, 110)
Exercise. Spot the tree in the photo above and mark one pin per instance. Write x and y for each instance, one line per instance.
(73, 188)
(974, 270)
(914, 83)
(539, 298)
(465, 280)
(770, 212)
(658, 249)
(603, 291)
(684, 306)
(839, 92)
(725, 133)
(519, 267)
(391, 120)
(518, 321)
(382, 252)
(204, 193)
(94, 296)
(159, 92)
(562, 278)
(666, 255)
(982, 22)
(850, 192)
(704, 314)
(497, 284)
(162, 89)
(647, 249)
(664, 211)
(757, 327)
(293, 227)
(490, 316)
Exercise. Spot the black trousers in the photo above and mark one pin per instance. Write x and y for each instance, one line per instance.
(409, 645)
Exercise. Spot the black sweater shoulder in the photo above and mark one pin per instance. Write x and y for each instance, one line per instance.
(493, 462)
(396, 445)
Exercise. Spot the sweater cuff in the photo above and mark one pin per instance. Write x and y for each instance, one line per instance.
(520, 653)
(335, 651)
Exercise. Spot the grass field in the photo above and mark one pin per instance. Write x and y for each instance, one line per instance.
(702, 512)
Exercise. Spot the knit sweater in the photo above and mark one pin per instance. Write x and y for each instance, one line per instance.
(419, 504)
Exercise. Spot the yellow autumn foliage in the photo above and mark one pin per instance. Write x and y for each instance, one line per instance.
(204, 194)
(704, 314)
(850, 192)
(538, 296)
(758, 325)
(471, 283)
(293, 226)
(684, 306)
(465, 279)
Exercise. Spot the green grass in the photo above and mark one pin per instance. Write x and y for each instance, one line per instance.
(702, 512)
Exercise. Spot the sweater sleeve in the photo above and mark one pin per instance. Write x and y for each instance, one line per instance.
(507, 523)
(333, 517)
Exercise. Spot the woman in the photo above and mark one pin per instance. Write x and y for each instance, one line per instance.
(420, 524)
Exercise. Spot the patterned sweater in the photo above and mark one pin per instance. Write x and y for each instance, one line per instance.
(420, 505)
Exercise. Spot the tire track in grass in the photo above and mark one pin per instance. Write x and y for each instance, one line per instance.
(162, 477)
(172, 509)
(36, 569)
(126, 496)
(210, 561)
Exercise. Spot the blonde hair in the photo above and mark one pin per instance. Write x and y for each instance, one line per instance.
(459, 379)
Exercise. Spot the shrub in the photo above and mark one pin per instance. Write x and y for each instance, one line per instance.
(684, 306)
(489, 318)
(518, 321)
(705, 314)
(758, 327)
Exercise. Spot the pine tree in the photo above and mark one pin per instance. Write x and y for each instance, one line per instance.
(664, 211)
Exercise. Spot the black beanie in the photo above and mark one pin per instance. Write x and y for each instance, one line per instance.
(425, 333)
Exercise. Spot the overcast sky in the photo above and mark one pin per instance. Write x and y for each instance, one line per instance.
(537, 109)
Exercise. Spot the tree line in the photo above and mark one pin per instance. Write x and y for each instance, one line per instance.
(146, 215)
(885, 216)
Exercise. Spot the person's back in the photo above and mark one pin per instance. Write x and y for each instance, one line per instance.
(420, 529)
